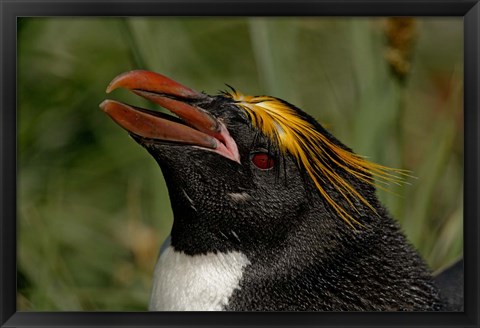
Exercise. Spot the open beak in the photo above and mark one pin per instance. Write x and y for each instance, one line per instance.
(195, 126)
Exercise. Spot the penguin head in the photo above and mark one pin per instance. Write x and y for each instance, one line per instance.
(244, 171)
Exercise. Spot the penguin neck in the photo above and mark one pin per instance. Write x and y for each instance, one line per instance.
(308, 229)
(309, 235)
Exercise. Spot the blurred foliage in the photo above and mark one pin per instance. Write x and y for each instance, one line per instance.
(92, 205)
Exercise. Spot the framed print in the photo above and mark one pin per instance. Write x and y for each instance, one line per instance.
(227, 163)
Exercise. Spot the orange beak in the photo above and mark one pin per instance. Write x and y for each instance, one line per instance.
(197, 127)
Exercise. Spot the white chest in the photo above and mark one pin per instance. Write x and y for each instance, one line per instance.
(195, 283)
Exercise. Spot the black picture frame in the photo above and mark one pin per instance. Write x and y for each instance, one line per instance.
(11, 10)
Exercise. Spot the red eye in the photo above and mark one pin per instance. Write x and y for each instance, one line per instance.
(263, 161)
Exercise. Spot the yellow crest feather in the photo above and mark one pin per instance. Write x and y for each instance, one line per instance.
(313, 150)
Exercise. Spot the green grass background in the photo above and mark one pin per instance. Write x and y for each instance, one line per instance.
(92, 205)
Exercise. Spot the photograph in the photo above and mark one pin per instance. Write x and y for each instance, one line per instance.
(252, 164)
